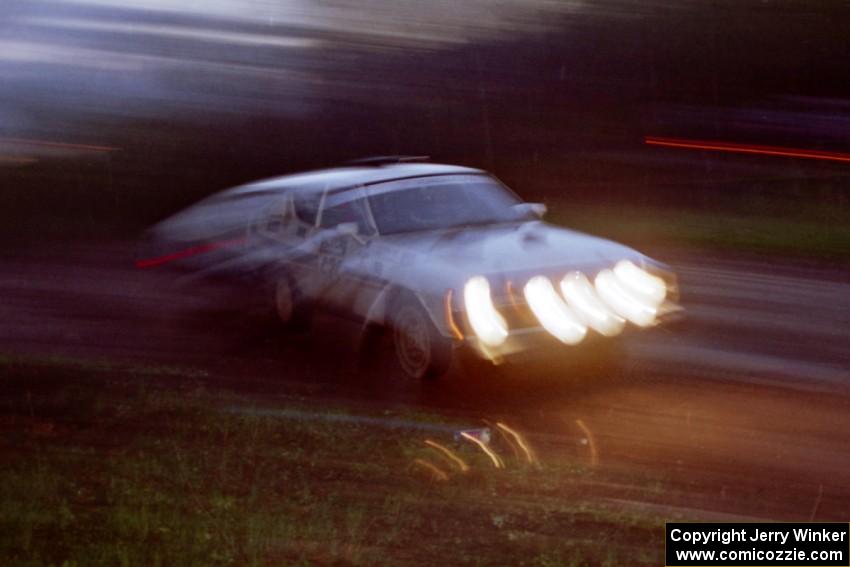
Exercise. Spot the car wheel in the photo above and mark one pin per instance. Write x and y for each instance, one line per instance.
(420, 349)
(289, 307)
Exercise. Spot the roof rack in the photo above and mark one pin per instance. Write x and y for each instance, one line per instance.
(383, 160)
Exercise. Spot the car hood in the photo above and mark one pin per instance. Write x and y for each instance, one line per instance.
(511, 248)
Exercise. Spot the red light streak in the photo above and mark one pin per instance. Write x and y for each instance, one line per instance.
(746, 149)
(187, 253)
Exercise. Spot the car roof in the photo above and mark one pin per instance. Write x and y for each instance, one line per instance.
(343, 177)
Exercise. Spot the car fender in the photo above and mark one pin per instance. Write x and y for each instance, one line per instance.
(378, 311)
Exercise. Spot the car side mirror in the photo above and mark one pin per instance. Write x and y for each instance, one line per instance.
(347, 228)
(531, 209)
(539, 209)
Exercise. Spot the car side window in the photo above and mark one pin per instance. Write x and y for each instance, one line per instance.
(346, 207)
(306, 205)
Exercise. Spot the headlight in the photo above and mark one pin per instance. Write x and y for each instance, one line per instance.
(488, 324)
(583, 300)
(651, 289)
(555, 316)
(621, 299)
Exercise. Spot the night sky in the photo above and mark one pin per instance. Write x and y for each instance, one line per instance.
(194, 99)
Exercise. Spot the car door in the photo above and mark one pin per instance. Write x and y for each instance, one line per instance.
(282, 235)
(346, 231)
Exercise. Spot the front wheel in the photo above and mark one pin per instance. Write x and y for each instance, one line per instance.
(421, 351)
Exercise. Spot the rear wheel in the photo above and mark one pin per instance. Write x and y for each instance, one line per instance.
(421, 351)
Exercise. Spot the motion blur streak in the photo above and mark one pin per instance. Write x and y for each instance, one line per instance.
(555, 316)
(747, 149)
(450, 318)
(179, 32)
(436, 471)
(497, 460)
(60, 145)
(583, 299)
(510, 441)
(444, 23)
(487, 323)
(523, 444)
(461, 464)
(188, 253)
(591, 442)
(17, 160)
(622, 300)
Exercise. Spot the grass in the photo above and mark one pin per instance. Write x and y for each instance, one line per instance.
(821, 234)
(116, 466)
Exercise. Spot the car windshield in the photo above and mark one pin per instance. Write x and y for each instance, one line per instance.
(442, 201)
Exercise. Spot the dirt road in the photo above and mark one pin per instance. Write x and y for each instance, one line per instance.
(742, 411)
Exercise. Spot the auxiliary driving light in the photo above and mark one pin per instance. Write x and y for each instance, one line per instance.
(584, 302)
(555, 316)
(641, 283)
(489, 326)
(623, 301)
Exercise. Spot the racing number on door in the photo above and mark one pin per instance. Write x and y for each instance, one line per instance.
(329, 266)
(331, 253)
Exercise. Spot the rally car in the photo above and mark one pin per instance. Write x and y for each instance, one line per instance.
(443, 256)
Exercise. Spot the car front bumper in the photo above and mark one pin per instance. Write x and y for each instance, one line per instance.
(533, 340)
